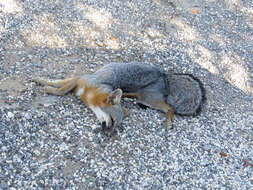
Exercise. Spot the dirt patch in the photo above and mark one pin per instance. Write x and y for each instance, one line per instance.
(13, 86)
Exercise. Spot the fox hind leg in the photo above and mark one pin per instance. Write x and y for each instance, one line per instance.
(164, 107)
(154, 100)
(169, 111)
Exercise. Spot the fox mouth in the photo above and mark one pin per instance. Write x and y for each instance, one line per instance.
(105, 127)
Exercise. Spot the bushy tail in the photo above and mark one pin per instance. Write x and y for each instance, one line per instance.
(186, 94)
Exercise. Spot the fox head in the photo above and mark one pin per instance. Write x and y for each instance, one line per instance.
(113, 110)
(106, 105)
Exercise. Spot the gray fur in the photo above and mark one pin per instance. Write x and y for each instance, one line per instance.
(186, 94)
(171, 93)
(183, 92)
(130, 77)
(116, 116)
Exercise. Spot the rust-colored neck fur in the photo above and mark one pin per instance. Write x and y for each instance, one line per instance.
(94, 96)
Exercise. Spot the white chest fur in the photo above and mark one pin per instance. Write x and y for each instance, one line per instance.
(79, 92)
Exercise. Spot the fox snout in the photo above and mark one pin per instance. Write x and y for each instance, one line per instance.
(109, 113)
(115, 116)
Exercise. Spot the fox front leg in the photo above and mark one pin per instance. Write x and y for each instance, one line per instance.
(169, 118)
(58, 87)
(144, 99)
(167, 109)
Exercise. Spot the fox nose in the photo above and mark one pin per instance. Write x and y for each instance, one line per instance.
(103, 124)
(112, 122)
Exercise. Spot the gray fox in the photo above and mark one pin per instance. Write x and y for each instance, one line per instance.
(102, 91)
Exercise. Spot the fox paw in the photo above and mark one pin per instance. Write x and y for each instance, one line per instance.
(169, 125)
(49, 89)
(37, 80)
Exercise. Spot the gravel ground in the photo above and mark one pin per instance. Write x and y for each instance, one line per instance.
(49, 142)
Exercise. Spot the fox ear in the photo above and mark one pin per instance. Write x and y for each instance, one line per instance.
(115, 97)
